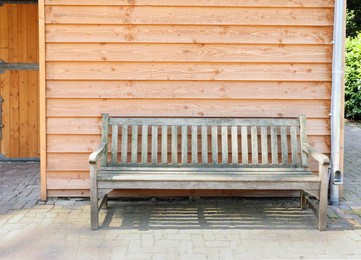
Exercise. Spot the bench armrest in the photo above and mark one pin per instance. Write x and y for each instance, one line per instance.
(321, 158)
(94, 156)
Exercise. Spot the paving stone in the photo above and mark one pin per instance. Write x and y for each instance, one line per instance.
(147, 240)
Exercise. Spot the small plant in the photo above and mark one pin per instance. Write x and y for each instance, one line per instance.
(353, 78)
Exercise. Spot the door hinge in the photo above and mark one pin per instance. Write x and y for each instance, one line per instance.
(17, 66)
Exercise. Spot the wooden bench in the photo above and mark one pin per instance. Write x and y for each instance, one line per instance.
(206, 153)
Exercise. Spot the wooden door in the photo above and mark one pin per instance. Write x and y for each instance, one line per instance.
(19, 89)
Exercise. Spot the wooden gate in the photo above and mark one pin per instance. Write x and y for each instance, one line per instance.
(19, 89)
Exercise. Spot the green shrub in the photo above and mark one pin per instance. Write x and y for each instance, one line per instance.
(353, 78)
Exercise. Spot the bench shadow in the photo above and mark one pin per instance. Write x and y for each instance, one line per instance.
(230, 213)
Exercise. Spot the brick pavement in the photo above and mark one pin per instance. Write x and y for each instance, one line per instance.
(231, 228)
(19, 186)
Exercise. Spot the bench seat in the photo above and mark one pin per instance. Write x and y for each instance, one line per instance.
(207, 153)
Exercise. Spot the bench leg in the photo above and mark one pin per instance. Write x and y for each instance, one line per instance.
(322, 211)
(105, 202)
(303, 202)
(94, 210)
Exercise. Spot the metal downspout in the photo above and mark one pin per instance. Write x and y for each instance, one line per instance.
(336, 99)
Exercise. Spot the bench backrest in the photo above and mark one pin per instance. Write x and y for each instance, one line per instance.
(199, 141)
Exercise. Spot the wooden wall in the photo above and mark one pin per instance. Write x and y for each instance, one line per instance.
(19, 89)
(199, 58)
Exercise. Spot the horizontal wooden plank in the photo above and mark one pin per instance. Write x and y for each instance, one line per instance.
(66, 180)
(81, 126)
(189, 34)
(92, 126)
(188, 89)
(181, 108)
(188, 15)
(219, 170)
(141, 193)
(188, 52)
(190, 3)
(72, 143)
(68, 192)
(201, 121)
(67, 162)
(184, 71)
(204, 176)
(88, 143)
(299, 184)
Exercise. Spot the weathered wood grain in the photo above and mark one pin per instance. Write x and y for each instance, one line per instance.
(164, 146)
(114, 146)
(134, 151)
(79, 162)
(124, 144)
(190, 174)
(174, 144)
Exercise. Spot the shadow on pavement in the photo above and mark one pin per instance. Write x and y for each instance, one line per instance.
(229, 213)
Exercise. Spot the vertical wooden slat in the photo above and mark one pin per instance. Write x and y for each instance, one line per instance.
(244, 133)
(174, 144)
(224, 138)
(164, 144)
(42, 101)
(134, 152)
(184, 145)
(13, 124)
(303, 139)
(14, 114)
(5, 87)
(284, 145)
(264, 144)
(115, 145)
(124, 149)
(214, 145)
(154, 153)
(274, 145)
(234, 139)
(144, 153)
(33, 80)
(254, 139)
(23, 83)
(105, 137)
(204, 144)
(294, 145)
(322, 210)
(194, 144)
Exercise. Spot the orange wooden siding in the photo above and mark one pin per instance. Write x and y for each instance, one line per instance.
(225, 58)
(19, 89)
